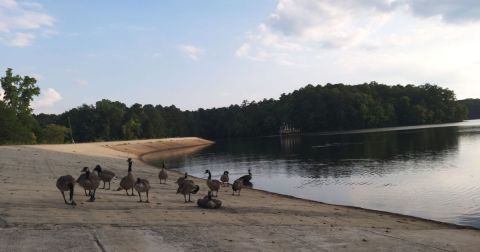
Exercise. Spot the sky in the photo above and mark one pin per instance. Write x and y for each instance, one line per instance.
(204, 54)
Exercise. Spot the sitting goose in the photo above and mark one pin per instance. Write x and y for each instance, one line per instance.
(162, 175)
(187, 187)
(66, 183)
(104, 175)
(142, 185)
(237, 186)
(208, 202)
(89, 181)
(214, 185)
(224, 178)
(128, 181)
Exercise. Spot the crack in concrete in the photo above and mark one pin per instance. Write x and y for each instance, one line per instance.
(97, 241)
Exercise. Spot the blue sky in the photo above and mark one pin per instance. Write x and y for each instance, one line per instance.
(216, 53)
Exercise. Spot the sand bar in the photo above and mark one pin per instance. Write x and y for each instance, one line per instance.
(34, 217)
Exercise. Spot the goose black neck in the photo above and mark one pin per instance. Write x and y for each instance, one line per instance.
(209, 175)
(87, 174)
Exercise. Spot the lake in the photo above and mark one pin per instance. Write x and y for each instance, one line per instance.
(430, 171)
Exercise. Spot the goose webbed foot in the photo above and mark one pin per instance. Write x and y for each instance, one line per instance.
(73, 203)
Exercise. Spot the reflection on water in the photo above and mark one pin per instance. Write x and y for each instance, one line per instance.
(430, 172)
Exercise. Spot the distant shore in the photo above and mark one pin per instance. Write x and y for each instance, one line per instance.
(256, 220)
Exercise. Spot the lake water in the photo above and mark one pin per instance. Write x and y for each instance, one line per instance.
(428, 171)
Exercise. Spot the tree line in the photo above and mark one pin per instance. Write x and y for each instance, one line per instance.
(311, 108)
(473, 107)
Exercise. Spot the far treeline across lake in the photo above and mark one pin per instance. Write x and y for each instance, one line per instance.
(312, 108)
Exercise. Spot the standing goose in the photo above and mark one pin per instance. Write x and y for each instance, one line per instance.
(182, 179)
(128, 181)
(187, 187)
(142, 185)
(214, 185)
(246, 179)
(162, 175)
(66, 183)
(237, 186)
(89, 181)
(224, 178)
(104, 175)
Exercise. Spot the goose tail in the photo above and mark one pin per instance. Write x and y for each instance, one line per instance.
(195, 189)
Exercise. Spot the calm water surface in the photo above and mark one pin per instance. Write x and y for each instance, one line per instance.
(429, 171)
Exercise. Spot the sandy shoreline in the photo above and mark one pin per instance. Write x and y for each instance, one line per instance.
(33, 216)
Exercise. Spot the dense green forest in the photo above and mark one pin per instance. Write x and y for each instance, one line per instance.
(311, 108)
(473, 107)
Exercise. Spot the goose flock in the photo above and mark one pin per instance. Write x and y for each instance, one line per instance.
(90, 182)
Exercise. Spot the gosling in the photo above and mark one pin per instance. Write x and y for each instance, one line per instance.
(104, 175)
(89, 181)
(66, 183)
(237, 186)
(214, 185)
(224, 178)
(142, 185)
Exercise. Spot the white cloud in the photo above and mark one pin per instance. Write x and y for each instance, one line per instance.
(191, 51)
(21, 22)
(392, 41)
(2, 93)
(81, 83)
(46, 101)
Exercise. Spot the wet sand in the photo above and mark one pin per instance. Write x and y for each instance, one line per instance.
(34, 217)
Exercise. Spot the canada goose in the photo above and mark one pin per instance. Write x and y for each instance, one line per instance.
(237, 186)
(89, 181)
(104, 175)
(162, 175)
(246, 178)
(181, 179)
(128, 181)
(66, 183)
(214, 185)
(224, 178)
(187, 187)
(208, 202)
(142, 185)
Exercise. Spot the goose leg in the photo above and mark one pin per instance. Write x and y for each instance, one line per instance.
(92, 196)
(133, 194)
(185, 196)
(127, 192)
(63, 194)
(189, 200)
(140, 195)
(85, 192)
(103, 185)
(108, 185)
(147, 198)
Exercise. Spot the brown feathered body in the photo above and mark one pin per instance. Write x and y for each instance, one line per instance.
(187, 187)
(66, 183)
(142, 186)
(213, 185)
(163, 175)
(104, 175)
(89, 181)
(224, 178)
(208, 202)
(237, 186)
